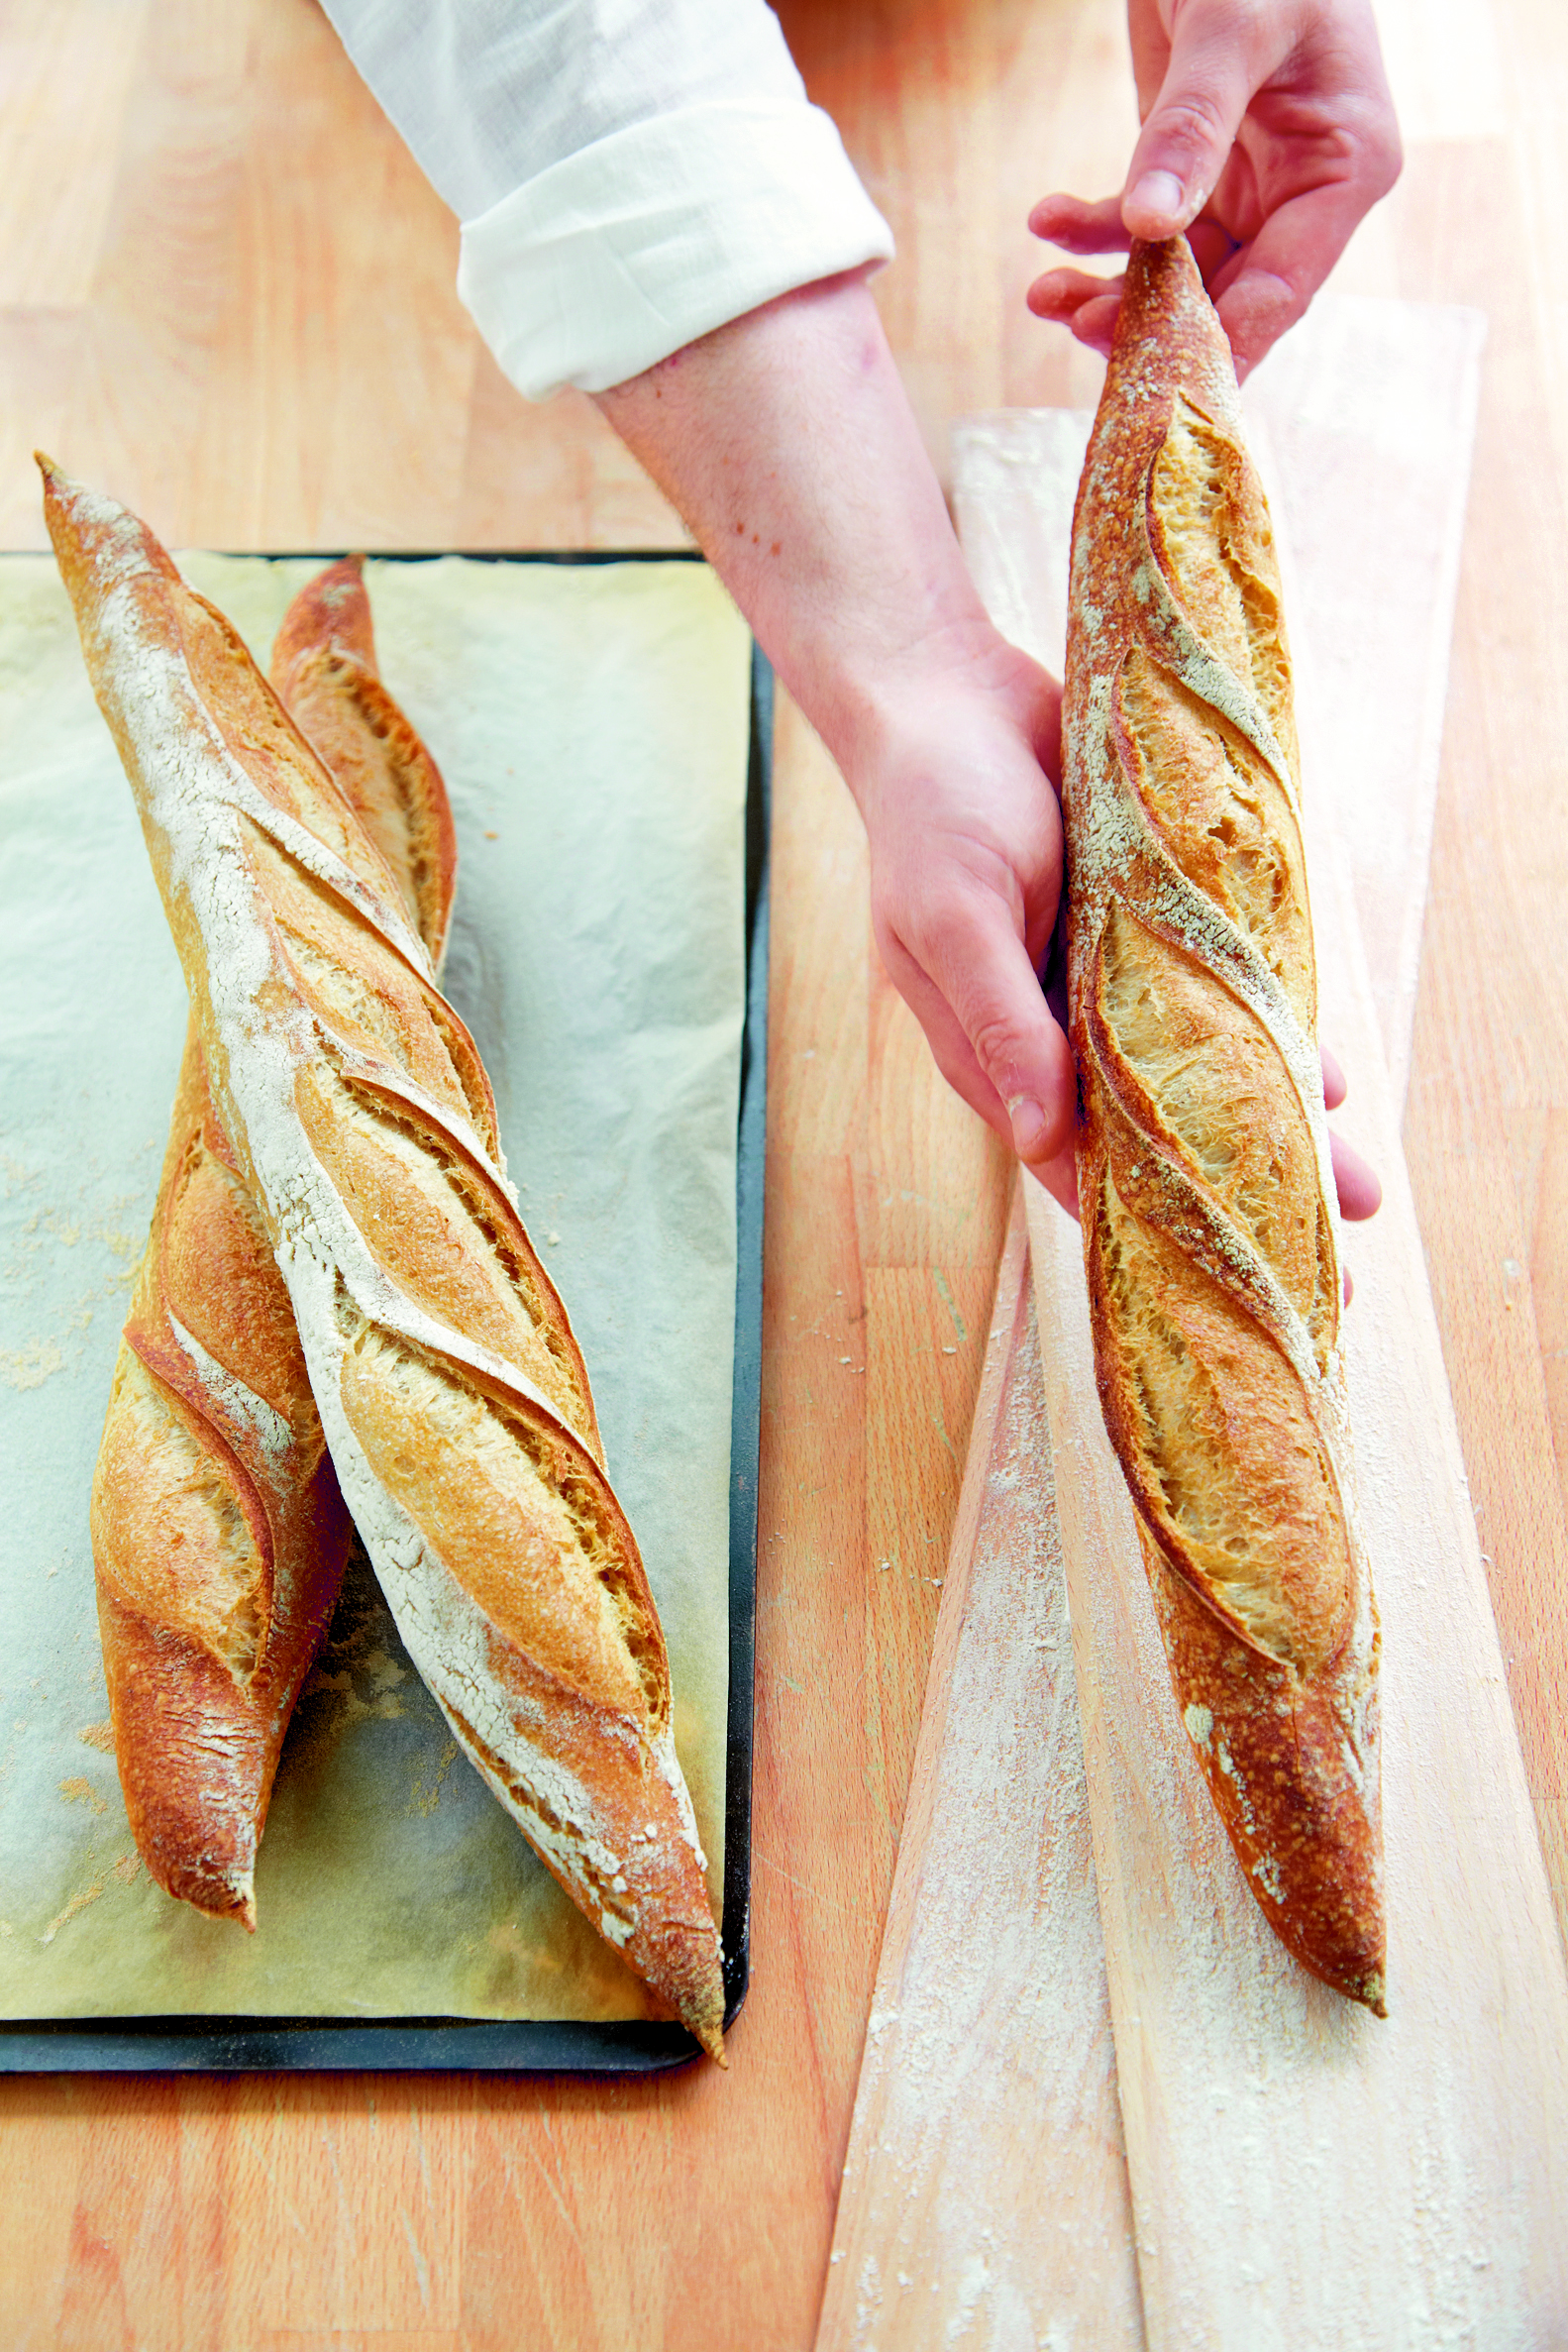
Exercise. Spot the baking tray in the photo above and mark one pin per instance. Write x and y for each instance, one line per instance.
(203, 2045)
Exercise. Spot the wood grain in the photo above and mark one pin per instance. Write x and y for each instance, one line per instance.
(212, 342)
(1244, 2083)
(985, 2191)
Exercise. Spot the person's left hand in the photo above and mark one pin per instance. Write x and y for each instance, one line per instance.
(1268, 132)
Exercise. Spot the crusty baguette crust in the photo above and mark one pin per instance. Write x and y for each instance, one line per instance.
(363, 1123)
(219, 1533)
(324, 672)
(1210, 1216)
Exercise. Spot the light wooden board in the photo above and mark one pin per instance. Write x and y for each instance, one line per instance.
(984, 2197)
(1304, 2176)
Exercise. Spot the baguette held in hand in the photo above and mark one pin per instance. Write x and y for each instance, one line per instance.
(219, 1533)
(1209, 1215)
(450, 1387)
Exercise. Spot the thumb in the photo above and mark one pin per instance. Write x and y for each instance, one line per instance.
(1192, 127)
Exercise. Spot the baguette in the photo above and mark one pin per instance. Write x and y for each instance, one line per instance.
(324, 672)
(1210, 1215)
(219, 1535)
(450, 1387)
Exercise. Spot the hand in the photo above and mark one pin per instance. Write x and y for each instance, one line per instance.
(1268, 132)
(787, 442)
(959, 793)
(957, 787)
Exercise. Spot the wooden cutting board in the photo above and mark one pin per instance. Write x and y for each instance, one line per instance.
(986, 2187)
(1297, 2174)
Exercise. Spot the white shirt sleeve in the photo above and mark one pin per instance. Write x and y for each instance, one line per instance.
(629, 173)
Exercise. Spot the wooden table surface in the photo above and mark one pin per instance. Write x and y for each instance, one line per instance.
(225, 293)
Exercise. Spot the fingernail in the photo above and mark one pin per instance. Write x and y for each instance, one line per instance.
(1028, 1125)
(1160, 193)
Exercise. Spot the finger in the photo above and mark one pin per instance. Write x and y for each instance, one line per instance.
(1095, 324)
(954, 1057)
(1213, 246)
(1267, 286)
(1334, 1087)
(1355, 1181)
(1088, 304)
(1057, 293)
(1213, 71)
(1085, 305)
(1273, 279)
(1080, 228)
(970, 982)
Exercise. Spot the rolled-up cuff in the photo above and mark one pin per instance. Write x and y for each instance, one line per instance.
(637, 245)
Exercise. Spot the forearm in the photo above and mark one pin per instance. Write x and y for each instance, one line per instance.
(786, 442)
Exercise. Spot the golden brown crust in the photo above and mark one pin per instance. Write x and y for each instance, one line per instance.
(219, 1557)
(219, 1535)
(1209, 1216)
(478, 1490)
(324, 671)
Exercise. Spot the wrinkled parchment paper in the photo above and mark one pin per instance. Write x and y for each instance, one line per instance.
(592, 723)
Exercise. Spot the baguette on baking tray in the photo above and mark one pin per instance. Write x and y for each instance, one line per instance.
(219, 1535)
(450, 1389)
(1209, 1215)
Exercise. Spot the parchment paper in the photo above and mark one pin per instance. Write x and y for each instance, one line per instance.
(592, 723)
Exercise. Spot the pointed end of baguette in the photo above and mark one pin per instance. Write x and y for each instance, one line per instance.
(709, 2026)
(1364, 1985)
(676, 1949)
(215, 1891)
(331, 614)
(215, 1899)
(58, 485)
(96, 540)
(679, 1956)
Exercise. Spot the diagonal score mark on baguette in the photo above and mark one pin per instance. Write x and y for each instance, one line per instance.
(324, 672)
(515, 1582)
(1210, 1233)
(218, 1531)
